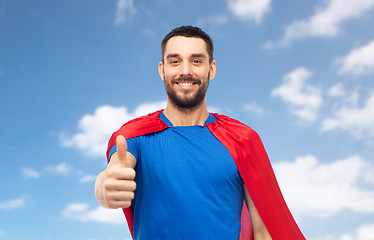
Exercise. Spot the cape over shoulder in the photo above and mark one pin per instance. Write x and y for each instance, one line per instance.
(248, 152)
(139, 126)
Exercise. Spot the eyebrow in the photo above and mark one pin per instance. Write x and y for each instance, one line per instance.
(198, 55)
(195, 55)
(172, 55)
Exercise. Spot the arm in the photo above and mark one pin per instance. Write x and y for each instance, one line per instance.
(115, 186)
(260, 231)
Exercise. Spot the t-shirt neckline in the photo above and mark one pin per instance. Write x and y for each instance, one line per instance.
(211, 118)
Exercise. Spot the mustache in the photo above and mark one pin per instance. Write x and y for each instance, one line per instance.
(186, 79)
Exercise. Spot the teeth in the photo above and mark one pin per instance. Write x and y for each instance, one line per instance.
(186, 84)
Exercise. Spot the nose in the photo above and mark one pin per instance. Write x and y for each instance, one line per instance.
(186, 69)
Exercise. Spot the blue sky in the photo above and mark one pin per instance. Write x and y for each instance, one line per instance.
(71, 72)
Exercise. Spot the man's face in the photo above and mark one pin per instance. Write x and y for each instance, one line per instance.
(186, 71)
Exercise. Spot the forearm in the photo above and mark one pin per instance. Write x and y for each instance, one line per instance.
(262, 235)
(260, 231)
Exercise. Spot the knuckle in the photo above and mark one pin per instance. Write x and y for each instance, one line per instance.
(108, 197)
(131, 195)
(131, 173)
(111, 204)
(111, 172)
(132, 185)
(126, 204)
(108, 185)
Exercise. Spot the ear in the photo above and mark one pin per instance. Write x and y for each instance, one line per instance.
(161, 70)
(212, 70)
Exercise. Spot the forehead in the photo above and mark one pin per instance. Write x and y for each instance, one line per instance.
(185, 46)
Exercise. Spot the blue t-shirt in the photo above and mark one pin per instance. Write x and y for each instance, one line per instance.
(188, 185)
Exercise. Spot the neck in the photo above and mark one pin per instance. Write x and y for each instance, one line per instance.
(186, 117)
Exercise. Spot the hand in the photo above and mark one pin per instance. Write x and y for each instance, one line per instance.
(118, 184)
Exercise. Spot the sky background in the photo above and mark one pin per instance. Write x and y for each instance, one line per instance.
(301, 73)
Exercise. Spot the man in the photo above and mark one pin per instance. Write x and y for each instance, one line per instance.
(182, 173)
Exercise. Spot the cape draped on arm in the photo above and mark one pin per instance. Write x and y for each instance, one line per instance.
(249, 154)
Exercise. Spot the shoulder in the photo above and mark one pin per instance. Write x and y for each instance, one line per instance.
(151, 117)
(142, 125)
(232, 124)
(233, 129)
(137, 127)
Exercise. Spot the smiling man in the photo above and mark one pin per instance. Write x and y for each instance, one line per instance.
(186, 74)
(185, 173)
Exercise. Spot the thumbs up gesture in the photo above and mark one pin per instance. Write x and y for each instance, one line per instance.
(115, 186)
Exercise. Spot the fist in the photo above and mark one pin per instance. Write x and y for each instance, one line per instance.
(119, 184)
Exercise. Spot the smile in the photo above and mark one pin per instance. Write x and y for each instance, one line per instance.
(186, 85)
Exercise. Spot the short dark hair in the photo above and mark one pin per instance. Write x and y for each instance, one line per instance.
(189, 31)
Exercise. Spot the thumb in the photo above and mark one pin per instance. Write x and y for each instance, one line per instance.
(122, 150)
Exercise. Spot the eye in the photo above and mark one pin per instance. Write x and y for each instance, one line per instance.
(174, 62)
(196, 61)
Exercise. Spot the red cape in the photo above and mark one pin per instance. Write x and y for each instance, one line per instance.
(249, 154)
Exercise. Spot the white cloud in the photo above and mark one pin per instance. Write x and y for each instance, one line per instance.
(304, 100)
(213, 109)
(352, 98)
(146, 108)
(125, 11)
(253, 107)
(2, 233)
(61, 169)
(13, 204)
(249, 9)
(81, 212)
(337, 91)
(30, 173)
(95, 130)
(322, 190)
(358, 61)
(328, 237)
(216, 19)
(326, 22)
(363, 233)
(87, 178)
(359, 121)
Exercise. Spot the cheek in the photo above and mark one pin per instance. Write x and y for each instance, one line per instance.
(204, 74)
(168, 74)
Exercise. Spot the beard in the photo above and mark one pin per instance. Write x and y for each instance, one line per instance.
(186, 99)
